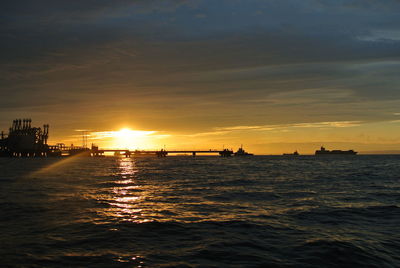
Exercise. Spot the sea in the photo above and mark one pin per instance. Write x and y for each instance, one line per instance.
(204, 211)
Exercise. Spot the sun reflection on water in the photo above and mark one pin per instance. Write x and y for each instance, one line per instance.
(131, 196)
(125, 198)
(127, 167)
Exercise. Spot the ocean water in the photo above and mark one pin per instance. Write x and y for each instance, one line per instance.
(259, 211)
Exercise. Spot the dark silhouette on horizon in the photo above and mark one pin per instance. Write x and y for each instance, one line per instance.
(23, 140)
(324, 151)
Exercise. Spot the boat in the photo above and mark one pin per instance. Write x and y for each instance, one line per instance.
(295, 153)
(324, 151)
(242, 152)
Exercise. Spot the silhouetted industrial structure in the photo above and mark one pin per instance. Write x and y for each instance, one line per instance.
(23, 140)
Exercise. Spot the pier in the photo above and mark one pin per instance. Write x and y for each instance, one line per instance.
(23, 140)
(95, 151)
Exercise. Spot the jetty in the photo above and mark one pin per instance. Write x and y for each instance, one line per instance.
(24, 140)
(95, 151)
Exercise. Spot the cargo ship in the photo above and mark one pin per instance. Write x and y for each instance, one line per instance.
(295, 153)
(323, 151)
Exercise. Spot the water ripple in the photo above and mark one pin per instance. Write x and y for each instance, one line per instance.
(201, 212)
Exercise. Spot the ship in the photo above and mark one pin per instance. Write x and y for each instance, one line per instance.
(323, 151)
(242, 152)
(295, 153)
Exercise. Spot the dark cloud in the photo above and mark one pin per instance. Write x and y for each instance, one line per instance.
(83, 9)
(267, 57)
(391, 5)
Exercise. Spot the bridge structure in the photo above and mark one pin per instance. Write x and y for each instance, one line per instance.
(95, 151)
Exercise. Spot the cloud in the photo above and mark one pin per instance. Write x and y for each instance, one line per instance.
(382, 36)
(157, 62)
(57, 10)
(388, 5)
(205, 134)
(99, 135)
(338, 124)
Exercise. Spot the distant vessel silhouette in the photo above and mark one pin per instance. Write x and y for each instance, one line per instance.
(241, 152)
(295, 153)
(323, 151)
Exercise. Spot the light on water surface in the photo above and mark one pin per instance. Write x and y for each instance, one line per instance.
(126, 196)
(206, 210)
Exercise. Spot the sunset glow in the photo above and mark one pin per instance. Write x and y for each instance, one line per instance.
(195, 74)
(210, 133)
(132, 139)
(125, 138)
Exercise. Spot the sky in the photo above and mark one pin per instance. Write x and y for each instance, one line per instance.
(273, 75)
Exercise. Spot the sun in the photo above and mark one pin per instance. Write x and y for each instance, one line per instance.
(132, 139)
(124, 133)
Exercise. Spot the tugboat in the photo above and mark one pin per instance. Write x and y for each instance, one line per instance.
(241, 152)
(323, 151)
(295, 153)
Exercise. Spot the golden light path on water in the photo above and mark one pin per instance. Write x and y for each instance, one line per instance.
(125, 198)
(129, 197)
(134, 196)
